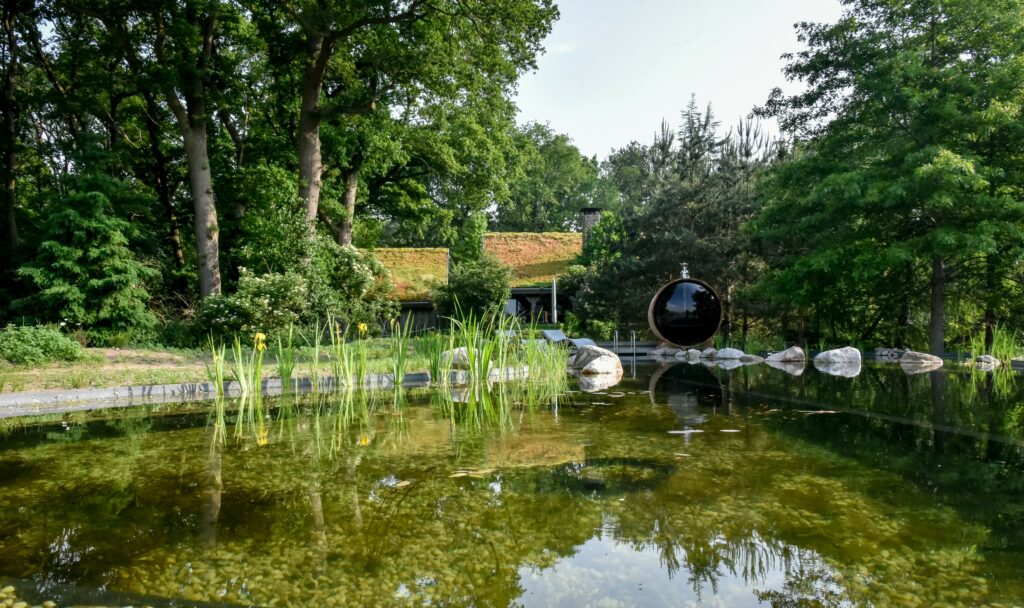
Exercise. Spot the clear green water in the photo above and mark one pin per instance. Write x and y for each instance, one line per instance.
(882, 490)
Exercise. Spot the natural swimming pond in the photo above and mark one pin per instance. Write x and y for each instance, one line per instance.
(683, 485)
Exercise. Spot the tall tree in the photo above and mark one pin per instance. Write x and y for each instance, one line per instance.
(9, 55)
(553, 182)
(693, 189)
(358, 53)
(909, 110)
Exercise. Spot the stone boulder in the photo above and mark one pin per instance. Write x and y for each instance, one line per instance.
(883, 354)
(708, 353)
(914, 362)
(987, 362)
(729, 364)
(692, 355)
(457, 358)
(793, 354)
(664, 351)
(751, 359)
(593, 360)
(846, 354)
(729, 353)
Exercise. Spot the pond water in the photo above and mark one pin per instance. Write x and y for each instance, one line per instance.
(680, 486)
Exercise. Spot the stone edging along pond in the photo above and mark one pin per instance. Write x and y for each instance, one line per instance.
(60, 401)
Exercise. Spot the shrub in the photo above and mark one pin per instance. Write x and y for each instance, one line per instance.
(84, 271)
(475, 286)
(348, 283)
(37, 344)
(267, 302)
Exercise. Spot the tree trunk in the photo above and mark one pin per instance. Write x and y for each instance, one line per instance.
(310, 165)
(201, 181)
(161, 181)
(191, 117)
(351, 176)
(937, 326)
(9, 110)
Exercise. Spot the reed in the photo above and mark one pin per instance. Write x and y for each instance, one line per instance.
(314, 360)
(285, 357)
(241, 367)
(341, 357)
(399, 341)
(215, 369)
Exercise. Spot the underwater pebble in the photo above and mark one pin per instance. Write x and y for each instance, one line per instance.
(685, 432)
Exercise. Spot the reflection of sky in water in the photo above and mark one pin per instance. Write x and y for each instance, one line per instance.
(608, 573)
(681, 301)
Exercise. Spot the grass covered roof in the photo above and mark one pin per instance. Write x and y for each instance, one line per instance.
(536, 258)
(414, 270)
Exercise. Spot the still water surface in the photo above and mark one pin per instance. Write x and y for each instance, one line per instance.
(681, 486)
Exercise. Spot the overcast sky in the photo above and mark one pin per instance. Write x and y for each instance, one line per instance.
(615, 68)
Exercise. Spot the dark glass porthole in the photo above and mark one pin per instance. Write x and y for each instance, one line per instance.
(685, 312)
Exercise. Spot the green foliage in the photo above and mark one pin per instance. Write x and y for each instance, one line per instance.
(913, 188)
(85, 272)
(691, 193)
(474, 287)
(553, 182)
(268, 302)
(347, 283)
(37, 344)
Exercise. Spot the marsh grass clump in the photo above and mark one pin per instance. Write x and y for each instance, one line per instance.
(284, 355)
(399, 342)
(215, 369)
(1006, 344)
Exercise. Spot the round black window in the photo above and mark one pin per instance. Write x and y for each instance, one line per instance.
(685, 312)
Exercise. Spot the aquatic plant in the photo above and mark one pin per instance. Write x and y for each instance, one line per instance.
(285, 356)
(314, 359)
(399, 340)
(242, 371)
(340, 355)
(215, 369)
(1006, 344)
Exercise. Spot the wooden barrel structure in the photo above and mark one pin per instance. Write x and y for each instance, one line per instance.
(685, 312)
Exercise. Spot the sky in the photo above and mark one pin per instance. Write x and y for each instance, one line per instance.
(613, 69)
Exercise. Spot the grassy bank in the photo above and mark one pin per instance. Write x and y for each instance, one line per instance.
(133, 367)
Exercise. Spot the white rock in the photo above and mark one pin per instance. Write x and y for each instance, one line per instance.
(458, 358)
(592, 360)
(846, 354)
(923, 359)
(988, 361)
(793, 354)
(729, 364)
(692, 355)
(729, 353)
(708, 353)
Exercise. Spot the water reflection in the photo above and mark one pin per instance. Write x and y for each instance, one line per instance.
(886, 489)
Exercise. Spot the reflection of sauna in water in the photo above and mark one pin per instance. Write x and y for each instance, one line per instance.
(690, 391)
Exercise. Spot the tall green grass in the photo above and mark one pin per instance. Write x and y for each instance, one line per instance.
(1006, 344)
(285, 357)
(399, 341)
